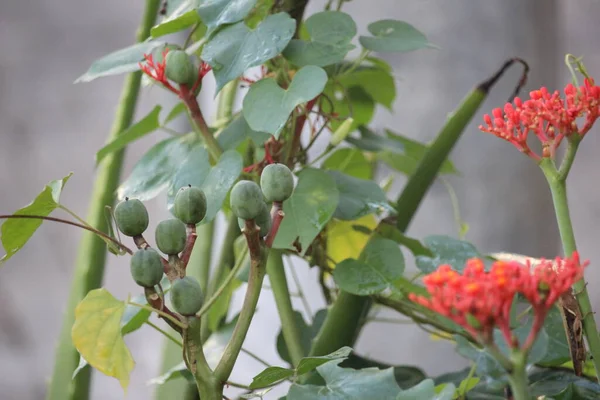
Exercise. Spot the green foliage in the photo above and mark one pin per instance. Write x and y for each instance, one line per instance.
(266, 94)
(221, 12)
(446, 250)
(15, 233)
(376, 80)
(234, 49)
(330, 35)
(351, 162)
(427, 391)
(307, 334)
(393, 36)
(237, 132)
(370, 141)
(358, 197)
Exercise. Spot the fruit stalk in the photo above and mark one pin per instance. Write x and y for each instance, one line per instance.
(89, 266)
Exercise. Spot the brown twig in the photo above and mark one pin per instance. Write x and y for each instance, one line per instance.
(67, 222)
(298, 128)
(189, 244)
(157, 302)
(277, 215)
(191, 102)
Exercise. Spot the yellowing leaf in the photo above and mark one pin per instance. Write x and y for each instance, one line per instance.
(343, 241)
(97, 335)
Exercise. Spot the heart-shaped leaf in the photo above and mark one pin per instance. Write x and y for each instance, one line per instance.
(238, 131)
(236, 48)
(215, 13)
(266, 94)
(15, 232)
(97, 335)
(376, 81)
(330, 35)
(119, 62)
(393, 36)
(312, 204)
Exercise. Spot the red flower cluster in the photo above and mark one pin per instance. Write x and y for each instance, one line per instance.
(547, 116)
(480, 300)
(156, 71)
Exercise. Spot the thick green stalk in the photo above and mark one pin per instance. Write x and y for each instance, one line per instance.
(517, 377)
(558, 187)
(89, 266)
(209, 387)
(279, 286)
(226, 100)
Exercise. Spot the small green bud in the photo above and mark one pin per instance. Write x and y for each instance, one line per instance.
(171, 236)
(131, 217)
(277, 182)
(179, 68)
(341, 132)
(190, 205)
(186, 296)
(246, 200)
(146, 267)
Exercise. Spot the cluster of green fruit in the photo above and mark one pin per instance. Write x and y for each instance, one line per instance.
(248, 200)
(147, 268)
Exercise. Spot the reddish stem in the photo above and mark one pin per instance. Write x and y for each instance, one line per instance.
(277, 215)
(157, 302)
(189, 244)
(300, 121)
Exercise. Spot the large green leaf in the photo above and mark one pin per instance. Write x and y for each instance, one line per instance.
(175, 372)
(413, 153)
(558, 348)
(134, 317)
(238, 131)
(153, 172)
(182, 17)
(358, 197)
(406, 376)
(348, 384)
(353, 102)
(16, 232)
(270, 376)
(311, 206)
(426, 391)
(192, 170)
(553, 382)
(379, 267)
(376, 81)
(141, 128)
(215, 13)
(446, 250)
(236, 48)
(119, 62)
(266, 94)
(349, 161)
(370, 141)
(393, 36)
(97, 335)
(307, 334)
(330, 35)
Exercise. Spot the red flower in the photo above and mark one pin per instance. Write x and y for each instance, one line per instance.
(547, 116)
(480, 300)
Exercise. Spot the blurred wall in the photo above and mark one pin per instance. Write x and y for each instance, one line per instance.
(49, 127)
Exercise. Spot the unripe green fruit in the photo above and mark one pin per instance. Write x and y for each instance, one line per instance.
(263, 220)
(277, 182)
(246, 200)
(190, 205)
(186, 296)
(131, 217)
(170, 236)
(146, 267)
(179, 68)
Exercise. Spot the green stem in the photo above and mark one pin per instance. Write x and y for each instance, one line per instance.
(209, 387)
(517, 378)
(289, 326)
(226, 100)
(89, 266)
(557, 182)
(166, 334)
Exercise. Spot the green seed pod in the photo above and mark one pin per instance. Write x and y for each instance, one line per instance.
(186, 296)
(171, 236)
(246, 200)
(146, 267)
(277, 182)
(263, 220)
(190, 205)
(131, 217)
(179, 68)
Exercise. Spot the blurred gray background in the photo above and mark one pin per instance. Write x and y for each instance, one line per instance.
(48, 127)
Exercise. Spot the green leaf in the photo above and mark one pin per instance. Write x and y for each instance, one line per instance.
(219, 12)
(467, 384)
(175, 112)
(380, 266)
(141, 128)
(311, 206)
(370, 141)
(446, 250)
(487, 366)
(16, 232)
(558, 348)
(408, 161)
(406, 376)
(415, 246)
(352, 102)
(375, 81)
(330, 35)
(97, 335)
(238, 131)
(184, 16)
(571, 392)
(193, 170)
(119, 62)
(308, 364)
(426, 391)
(358, 197)
(348, 384)
(236, 48)
(349, 161)
(134, 317)
(393, 36)
(256, 395)
(152, 173)
(270, 376)
(175, 372)
(307, 334)
(266, 94)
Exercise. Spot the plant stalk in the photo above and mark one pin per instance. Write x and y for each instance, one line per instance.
(89, 266)
(279, 286)
(517, 377)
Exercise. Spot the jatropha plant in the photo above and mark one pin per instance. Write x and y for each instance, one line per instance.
(292, 175)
